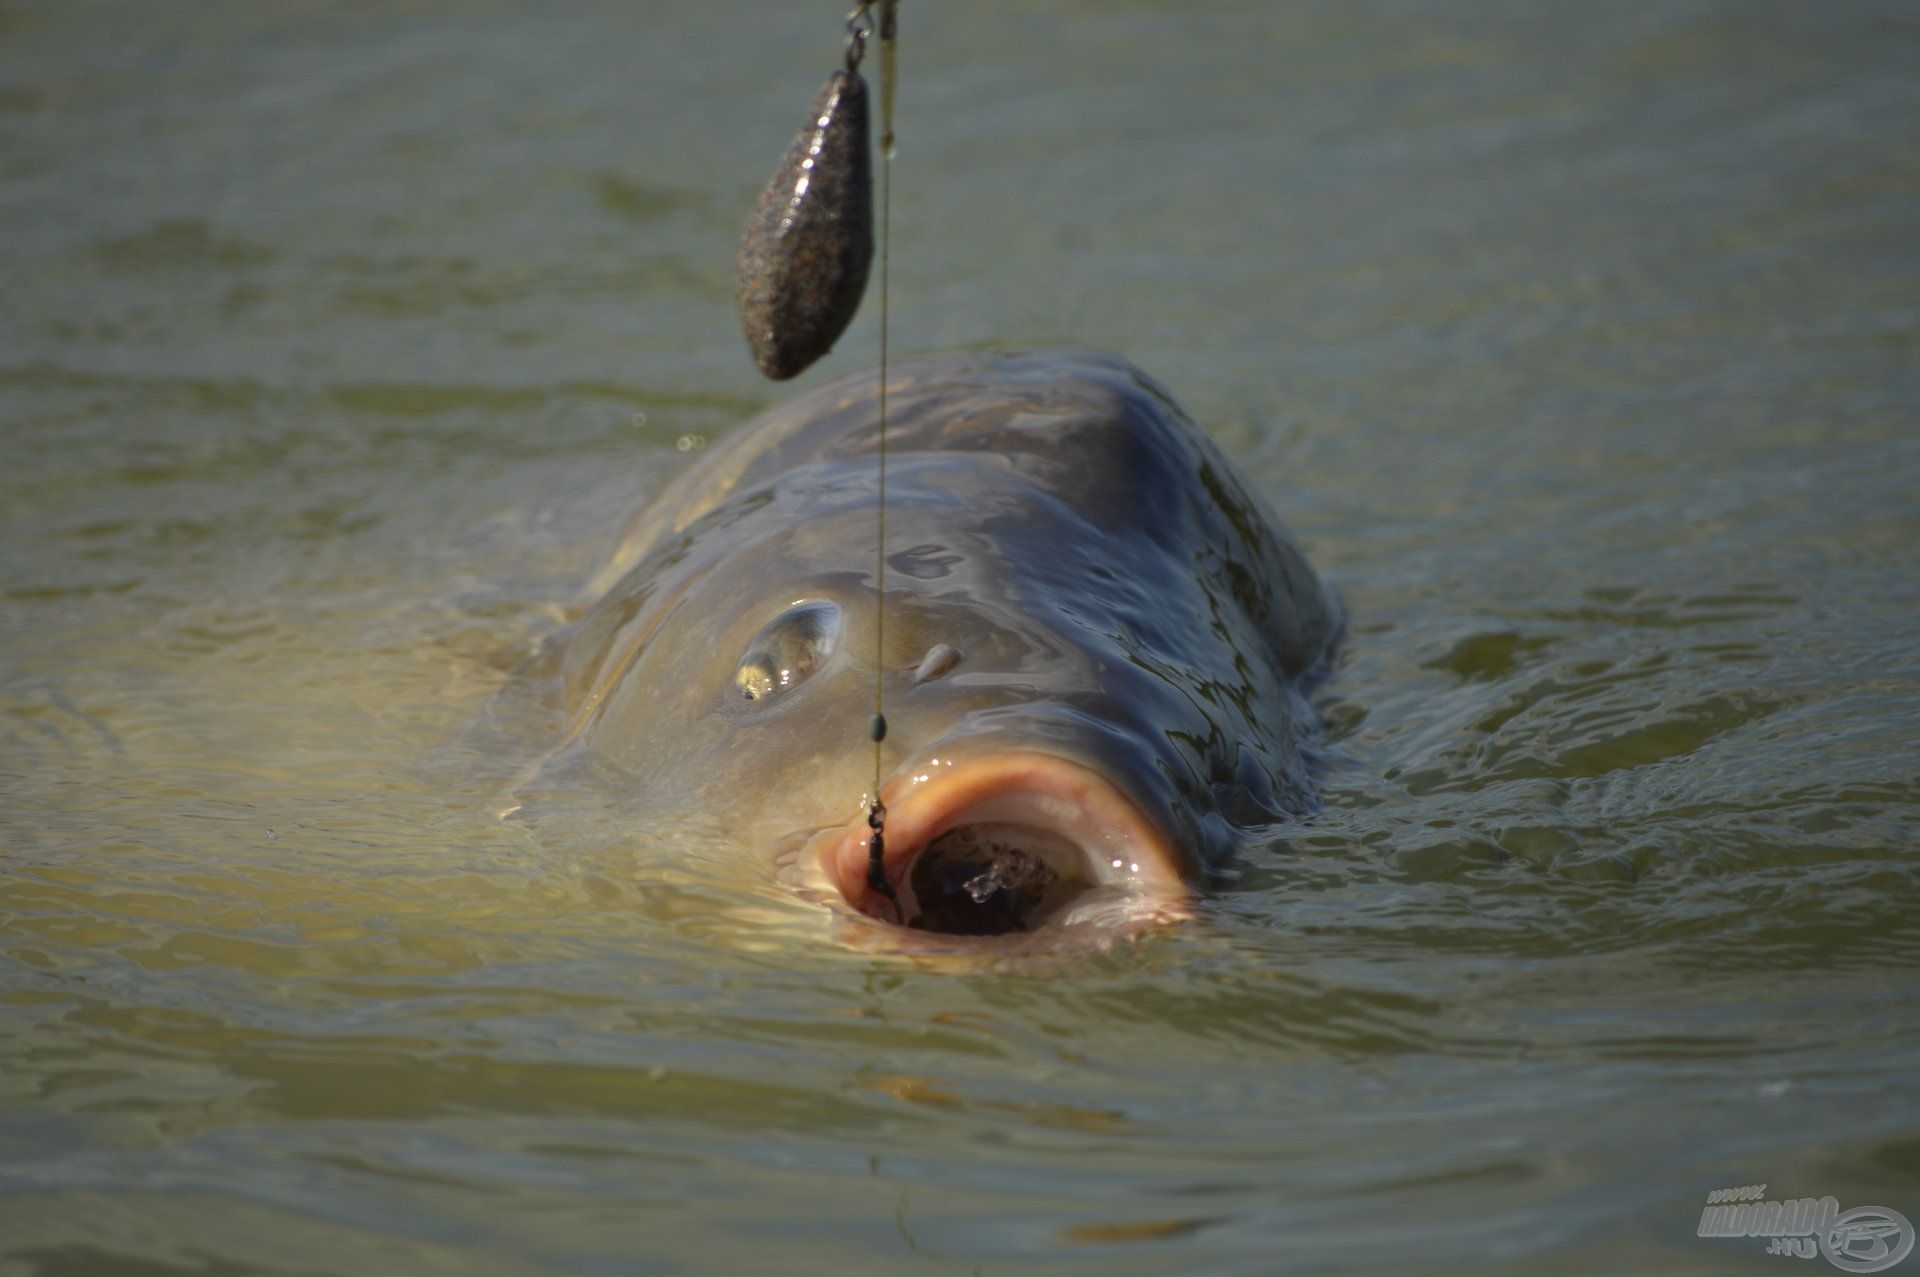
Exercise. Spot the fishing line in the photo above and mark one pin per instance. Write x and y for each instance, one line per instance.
(877, 814)
(803, 267)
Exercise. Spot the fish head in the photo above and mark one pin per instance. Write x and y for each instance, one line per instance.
(1069, 687)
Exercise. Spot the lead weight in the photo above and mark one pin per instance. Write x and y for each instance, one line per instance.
(809, 240)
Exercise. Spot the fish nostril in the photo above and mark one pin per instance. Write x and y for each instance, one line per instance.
(939, 659)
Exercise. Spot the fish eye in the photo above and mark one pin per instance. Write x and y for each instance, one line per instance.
(788, 649)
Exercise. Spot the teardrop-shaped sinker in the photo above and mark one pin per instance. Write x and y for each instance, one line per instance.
(809, 241)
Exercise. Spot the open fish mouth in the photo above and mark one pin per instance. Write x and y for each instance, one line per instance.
(1004, 844)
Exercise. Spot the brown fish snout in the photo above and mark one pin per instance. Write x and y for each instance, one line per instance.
(1008, 843)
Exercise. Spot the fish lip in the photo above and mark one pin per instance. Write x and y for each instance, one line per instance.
(1120, 846)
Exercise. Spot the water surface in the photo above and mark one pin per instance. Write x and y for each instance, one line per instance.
(1580, 345)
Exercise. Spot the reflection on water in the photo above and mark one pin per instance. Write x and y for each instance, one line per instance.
(1578, 347)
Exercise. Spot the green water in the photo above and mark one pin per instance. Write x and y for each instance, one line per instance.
(1580, 344)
